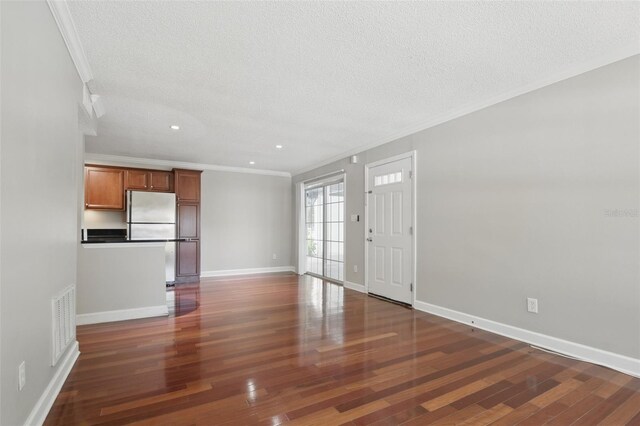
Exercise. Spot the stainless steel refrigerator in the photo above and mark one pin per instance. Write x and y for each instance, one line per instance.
(152, 216)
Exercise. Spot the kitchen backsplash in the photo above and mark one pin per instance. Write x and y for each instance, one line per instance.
(97, 219)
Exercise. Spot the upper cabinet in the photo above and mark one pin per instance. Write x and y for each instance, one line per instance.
(137, 180)
(161, 181)
(187, 185)
(104, 188)
(149, 180)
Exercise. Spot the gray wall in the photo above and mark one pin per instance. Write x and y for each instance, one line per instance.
(41, 91)
(113, 277)
(246, 218)
(519, 200)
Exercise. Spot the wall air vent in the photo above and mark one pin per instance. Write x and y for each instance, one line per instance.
(63, 322)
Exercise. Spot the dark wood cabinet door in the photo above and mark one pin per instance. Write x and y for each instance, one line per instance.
(161, 181)
(187, 183)
(188, 259)
(138, 180)
(188, 220)
(104, 188)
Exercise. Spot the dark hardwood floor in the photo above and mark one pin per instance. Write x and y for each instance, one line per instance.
(282, 349)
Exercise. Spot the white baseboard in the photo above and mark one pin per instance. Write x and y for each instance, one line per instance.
(356, 287)
(249, 271)
(45, 402)
(122, 314)
(612, 360)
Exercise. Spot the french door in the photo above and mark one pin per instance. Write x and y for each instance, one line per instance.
(324, 220)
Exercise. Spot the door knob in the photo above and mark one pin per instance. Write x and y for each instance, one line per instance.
(370, 239)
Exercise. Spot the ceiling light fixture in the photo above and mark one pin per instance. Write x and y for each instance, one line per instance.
(175, 127)
(252, 162)
(279, 146)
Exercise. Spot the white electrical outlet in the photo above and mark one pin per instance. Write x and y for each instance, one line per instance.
(22, 375)
(532, 305)
(355, 268)
(274, 256)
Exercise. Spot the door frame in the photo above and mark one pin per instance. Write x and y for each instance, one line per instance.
(412, 155)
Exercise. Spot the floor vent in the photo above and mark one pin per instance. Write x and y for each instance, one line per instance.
(64, 322)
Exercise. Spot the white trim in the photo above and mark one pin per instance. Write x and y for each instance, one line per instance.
(609, 58)
(355, 286)
(612, 360)
(121, 245)
(119, 160)
(45, 402)
(326, 177)
(345, 240)
(302, 229)
(414, 260)
(122, 315)
(248, 271)
(62, 16)
(391, 159)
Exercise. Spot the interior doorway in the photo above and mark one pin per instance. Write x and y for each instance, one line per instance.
(324, 229)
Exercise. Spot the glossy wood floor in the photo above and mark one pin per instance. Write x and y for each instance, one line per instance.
(280, 349)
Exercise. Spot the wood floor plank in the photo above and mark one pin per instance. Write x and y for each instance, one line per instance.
(283, 349)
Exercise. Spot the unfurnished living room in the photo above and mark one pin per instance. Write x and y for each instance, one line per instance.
(319, 212)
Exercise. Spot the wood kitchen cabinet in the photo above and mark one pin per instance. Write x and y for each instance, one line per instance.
(187, 187)
(161, 181)
(188, 220)
(137, 180)
(188, 261)
(104, 188)
(149, 180)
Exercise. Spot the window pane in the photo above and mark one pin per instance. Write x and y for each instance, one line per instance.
(325, 230)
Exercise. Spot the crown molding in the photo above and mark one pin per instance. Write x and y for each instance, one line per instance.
(62, 16)
(600, 61)
(118, 160)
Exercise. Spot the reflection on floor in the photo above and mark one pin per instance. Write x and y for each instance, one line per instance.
(288, 349)
(183, 298)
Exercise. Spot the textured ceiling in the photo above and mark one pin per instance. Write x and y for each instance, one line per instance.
(320, 78)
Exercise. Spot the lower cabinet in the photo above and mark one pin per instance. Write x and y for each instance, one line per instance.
(188, 261)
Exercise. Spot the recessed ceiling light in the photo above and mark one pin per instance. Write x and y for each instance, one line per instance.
(279, 146)
(252, 162)
(175, 127)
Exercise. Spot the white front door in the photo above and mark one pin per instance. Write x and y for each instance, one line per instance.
(389, 233)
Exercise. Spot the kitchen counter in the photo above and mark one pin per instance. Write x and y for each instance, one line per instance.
(128, 241)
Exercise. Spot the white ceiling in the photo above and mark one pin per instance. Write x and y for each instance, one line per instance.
(320, 78)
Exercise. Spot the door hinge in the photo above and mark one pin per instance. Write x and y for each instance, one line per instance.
(411, 287)
(411, 230)
(410, 174)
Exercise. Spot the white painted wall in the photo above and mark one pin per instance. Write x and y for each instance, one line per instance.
(41, 91)
(246, 218)
(517, 200)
